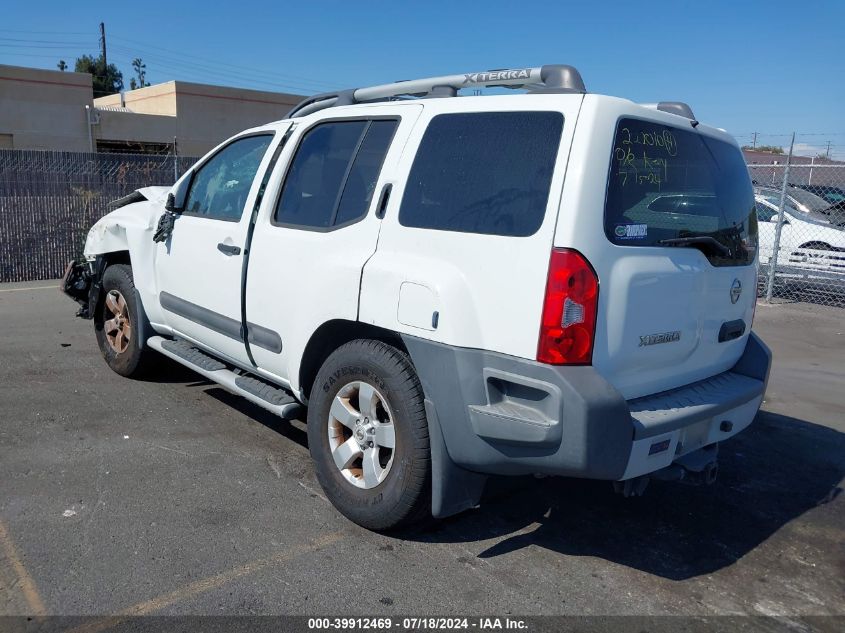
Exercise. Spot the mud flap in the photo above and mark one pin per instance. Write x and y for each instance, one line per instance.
(453, 489)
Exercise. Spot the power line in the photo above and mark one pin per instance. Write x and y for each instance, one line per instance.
(45, 32)
(38, 47)
(748, 134)
(29, 41)
(220, 73)
(211, 65)
(199, 74)
(203, 59)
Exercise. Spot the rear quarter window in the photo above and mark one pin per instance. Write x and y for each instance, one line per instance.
(666, 182)
(484, 172)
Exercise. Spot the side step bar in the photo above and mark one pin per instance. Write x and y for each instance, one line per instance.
(265, 395)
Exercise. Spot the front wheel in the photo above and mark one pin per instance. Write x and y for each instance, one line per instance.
(118, 323)
(368, 436)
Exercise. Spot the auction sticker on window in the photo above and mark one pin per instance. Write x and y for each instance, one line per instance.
(631, 231)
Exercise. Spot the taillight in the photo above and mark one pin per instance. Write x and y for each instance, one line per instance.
(568, 325)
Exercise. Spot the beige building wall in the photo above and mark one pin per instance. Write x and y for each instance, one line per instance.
(207, 115)
(157, 99)
(44, 109)
(129, 127)
(199, 116)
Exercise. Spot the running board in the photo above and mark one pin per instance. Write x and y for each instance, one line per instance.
(265, 395)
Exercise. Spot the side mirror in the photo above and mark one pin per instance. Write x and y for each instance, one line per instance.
(176, 198)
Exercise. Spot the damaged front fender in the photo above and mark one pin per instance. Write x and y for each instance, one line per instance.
(121, 231)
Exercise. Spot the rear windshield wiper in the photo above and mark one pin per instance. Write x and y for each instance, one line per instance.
(696, 240)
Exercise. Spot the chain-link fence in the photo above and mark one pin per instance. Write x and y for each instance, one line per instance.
(801, 223)
(49, 200)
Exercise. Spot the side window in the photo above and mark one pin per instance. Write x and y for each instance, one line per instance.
(487, 172)
(220, 187)
(764, 213)
(333, 174)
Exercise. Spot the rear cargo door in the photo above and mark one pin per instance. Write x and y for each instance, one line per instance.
(675, 254)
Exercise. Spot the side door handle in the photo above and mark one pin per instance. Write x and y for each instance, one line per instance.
(229, 249)
(383, 199)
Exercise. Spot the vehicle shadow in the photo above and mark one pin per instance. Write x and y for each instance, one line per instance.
(273, 422)
(775, 471)
(165, 370)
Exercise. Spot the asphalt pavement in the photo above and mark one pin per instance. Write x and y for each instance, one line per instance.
(171, 496)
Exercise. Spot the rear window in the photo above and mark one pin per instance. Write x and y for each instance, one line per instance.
(483, 172)
(667, 183)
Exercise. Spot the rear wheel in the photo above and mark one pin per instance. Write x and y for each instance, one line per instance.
(117, 323)
(368, 436)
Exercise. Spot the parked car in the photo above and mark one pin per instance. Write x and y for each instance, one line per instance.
(455, 288)
(801, 199)
(828, 214)
(828, 192)
(807, 241)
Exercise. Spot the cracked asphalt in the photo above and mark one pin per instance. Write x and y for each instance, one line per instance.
(171, 496)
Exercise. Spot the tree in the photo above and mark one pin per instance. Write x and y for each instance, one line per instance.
(62, 65)
(107, 80)
(771, 149)
(141, 71)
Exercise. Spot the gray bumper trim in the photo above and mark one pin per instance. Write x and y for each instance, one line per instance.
(671, 410)
(497, 414)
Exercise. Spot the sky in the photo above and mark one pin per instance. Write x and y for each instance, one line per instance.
(771, 67)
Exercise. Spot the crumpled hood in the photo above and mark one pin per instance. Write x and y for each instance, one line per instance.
(133, 216)
(154, 194)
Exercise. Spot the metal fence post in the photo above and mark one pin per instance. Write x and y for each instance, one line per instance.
(175, 161)
(773, 260)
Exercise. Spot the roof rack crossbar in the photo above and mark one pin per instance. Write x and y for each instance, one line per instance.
(551, 78)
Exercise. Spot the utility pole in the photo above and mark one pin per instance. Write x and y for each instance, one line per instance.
(103, 44)
(753, 134)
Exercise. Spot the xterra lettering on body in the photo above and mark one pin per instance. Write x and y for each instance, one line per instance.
(497, 75)
(656, 339)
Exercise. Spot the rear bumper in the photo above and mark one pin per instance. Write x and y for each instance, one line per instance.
(496, 414)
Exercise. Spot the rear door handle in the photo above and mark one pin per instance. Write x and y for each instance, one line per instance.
(229, 249)
(383, 199)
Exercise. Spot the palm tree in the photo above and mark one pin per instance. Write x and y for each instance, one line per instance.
(141, 70)
(62, 65)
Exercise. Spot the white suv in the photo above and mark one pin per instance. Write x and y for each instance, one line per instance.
(554, 282)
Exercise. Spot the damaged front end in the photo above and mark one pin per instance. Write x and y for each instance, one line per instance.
(107, 243)
(82, 282)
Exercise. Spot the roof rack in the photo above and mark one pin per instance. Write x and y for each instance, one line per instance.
(554, 78)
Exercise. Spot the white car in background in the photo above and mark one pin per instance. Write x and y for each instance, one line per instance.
(807, 241)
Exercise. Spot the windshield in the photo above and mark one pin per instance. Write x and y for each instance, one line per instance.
(667, 183)
(773, 198)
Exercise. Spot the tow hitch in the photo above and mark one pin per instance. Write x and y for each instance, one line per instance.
(698, 468)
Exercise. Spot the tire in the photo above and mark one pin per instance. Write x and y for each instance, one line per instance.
(124, 349)
(383, 488)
